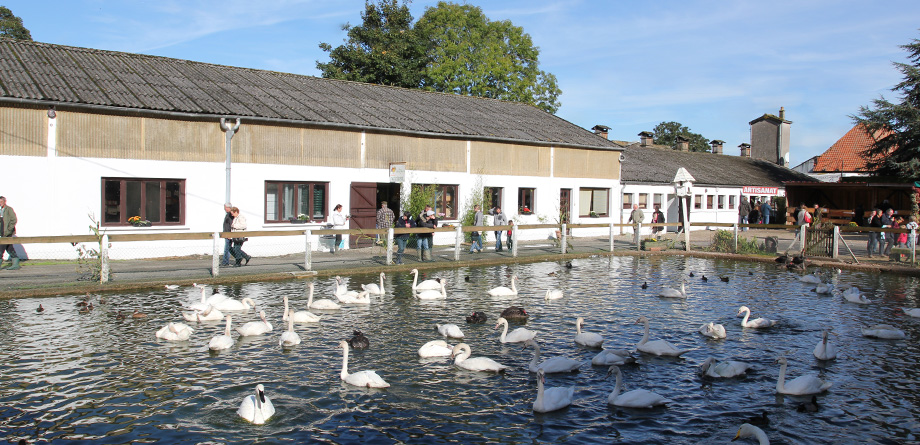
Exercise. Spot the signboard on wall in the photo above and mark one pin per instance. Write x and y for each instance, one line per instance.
(752, 190)
(398, 172)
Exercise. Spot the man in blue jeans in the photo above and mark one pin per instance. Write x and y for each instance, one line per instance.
(498, 220)
(228, 223)
(476, 239)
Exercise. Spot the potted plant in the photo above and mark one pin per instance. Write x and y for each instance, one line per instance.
(136, 221)
(300, 219)
(593, 214)
(654, 245)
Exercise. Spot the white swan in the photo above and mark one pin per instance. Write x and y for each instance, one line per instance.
(811, 279)
(667, 292)
(449, 330)
(553, 294)
(289, 337)
(373, 288)
(883, 331)
(430, 294)
(209, 314)
(609, 357)
(713, 330)
(321, 303)
(824, 288)
(915, 312)
(825, 350)
(299, 316)
(435, 348)
(461, 354)
(256, 408)
(801, 385)
(588, 339)
(355, 298)
(202, 305)
(748, 430)
(755, 323)
(550, 365)
(175, 332)
(516, 336)
(424, 285)
(502, 291)
(637, 398)
(853, 295)
(551, 399)
(368, 379)
(657, 347)
(255, 327)
(726, 369)
(229, 304)
(224, 341)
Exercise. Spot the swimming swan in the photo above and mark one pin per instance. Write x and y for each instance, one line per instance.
(801, 385)
(461, 354)
(609, 357)
(256, 408)
(175, 332)
(811, 279)
(209, 314)
(373, 288)
(588, 339)
(502, 291)
(229, 304)
(424, 285)
(224, 341)
(289, 337)
(435, 348)
(299, 316)
(553, 294)
(255, 327)
(713, 330)
(550, 365)
(551, 399)
(637, 398)
(368, 379)
(726, 369)
(883, 331)
(449, 330)
(667, 292)
(825, 350)
(430, 294)
(355, 298)
(748, 430)
(516, 336)
(321, 303)
(201, 305)
(756, 323)
(915, 312)
(657, 347)
(853, 295)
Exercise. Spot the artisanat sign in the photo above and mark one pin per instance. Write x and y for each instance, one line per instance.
(397, 172)
(751, 190)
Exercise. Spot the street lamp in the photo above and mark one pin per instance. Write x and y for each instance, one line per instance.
(683, 182)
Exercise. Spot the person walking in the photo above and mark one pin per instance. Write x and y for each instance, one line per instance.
(338, 222)
(890, 237)
(657, 218)
(498, 219)
(404, 222)
(744, 209)
(475, 237)
(228, 227)
(754, 216)
(385, 217)
(875, 238)
(766, 212)
(239, 225)
(8, 229)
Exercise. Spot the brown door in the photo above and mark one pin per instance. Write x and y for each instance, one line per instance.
(565, 205)
(363, 212)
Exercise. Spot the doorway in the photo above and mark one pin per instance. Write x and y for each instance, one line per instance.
(365, 201)
(565, 205)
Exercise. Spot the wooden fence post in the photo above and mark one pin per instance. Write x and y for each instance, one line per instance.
(308, 250)
(565, 238)
(735, 226)
(390, 246)
(835, 245)
(104, 260)
(611, 237)
(457, 242)
(216, 254)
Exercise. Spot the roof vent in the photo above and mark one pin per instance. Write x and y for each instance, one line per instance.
(646, 138)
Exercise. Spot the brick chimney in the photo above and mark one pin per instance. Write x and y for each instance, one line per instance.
(782, 113)
(646, 138)
(601, 130)
(745, 150)
(683, 144)
(716, 146)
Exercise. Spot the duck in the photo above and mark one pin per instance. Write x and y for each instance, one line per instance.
(704, 278)
(748, 430)
(657, 347)
(136, 314)
(825, 350)
(551, 399)
(810, 406)
(289, 337)
(756, 323)
(299, 316)
(351, 297)
(175, 332)
(358, 340)
(713, 330)
(724, 279)
(424, 285)
(449, 330)
(230, 304)
(322, 303)
(461, 354)
(761, 420)
(587, 339)
(691, 274)
(40, 309)
(644, 285)
(476, 317)
(801, 385)
(550, 365)
(725, 369)
(609, 357)
(435, 348)
(171, 286)
(568, 265)
(253, 328)
(209, 314)
(913, 312)
(367, 379)
(374, 288)
(516, 336)
(256, 408)
(883, 331)
(811, 279)
(225, 341)
(667, 292)
(853, 295)
(515, 313)
(120, 315)
(637, 398)
(502, 291)
(553, 294)
(440, 294)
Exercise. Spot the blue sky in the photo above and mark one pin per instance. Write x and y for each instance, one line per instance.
(710, 65)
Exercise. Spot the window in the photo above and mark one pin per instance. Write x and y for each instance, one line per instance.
(643, 200)
(593, 202)
(627, 201)
(493, 196)
(721, 202)
(445, 201)
(731, 202)
(287, 200)
(526, 200)
(160, 201)
(697, 201)
(709, 202)
(658, 200)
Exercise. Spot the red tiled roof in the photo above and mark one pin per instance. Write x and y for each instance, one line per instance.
(845, 155)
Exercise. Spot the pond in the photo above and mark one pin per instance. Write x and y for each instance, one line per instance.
(67, 376)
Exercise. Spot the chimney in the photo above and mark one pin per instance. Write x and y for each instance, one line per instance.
(745, 150)
(716, 146)
(601, 130)
(782, 113)
(683, 144)
(646, 138)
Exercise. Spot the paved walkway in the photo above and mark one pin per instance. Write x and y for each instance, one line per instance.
(66, 277)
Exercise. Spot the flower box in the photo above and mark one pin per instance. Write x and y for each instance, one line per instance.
(297, 221)
(655, 246)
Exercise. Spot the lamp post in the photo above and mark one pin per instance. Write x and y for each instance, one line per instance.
(683, 182)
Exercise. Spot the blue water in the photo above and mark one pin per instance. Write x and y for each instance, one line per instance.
(69, 377)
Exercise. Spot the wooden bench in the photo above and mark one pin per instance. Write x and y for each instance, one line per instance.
(896, 253)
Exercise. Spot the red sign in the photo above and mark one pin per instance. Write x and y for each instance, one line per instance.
(751, 190)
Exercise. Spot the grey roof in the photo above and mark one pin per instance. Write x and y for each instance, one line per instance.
(645, 165)
(63, 75)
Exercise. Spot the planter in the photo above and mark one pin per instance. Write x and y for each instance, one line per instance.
(141, 224)
(297, 221)
(655, 246)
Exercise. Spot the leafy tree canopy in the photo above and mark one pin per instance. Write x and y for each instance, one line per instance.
(11, 26)
(898, 153)
(666, 133)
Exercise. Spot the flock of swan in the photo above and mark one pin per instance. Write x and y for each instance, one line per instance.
(257, 408)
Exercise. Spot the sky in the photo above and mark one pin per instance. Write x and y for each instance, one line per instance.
(712, 65)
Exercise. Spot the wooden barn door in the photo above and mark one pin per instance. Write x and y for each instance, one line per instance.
(363, 212)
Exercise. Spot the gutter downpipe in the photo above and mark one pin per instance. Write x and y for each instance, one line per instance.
(229, 131)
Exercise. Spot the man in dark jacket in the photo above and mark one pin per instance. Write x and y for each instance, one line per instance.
(744, 209)
(875, 220)
(404, 222)
(228, 223)
(888, 221)
(8, 229)
(428, 220)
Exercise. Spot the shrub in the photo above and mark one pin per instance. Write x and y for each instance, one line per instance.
(724, 241)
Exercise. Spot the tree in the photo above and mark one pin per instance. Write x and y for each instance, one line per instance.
(11, 26)
(471, 55)
(897, 153)
(666, 134)
(384, 50)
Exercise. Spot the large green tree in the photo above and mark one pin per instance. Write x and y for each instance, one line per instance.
(384, 50)
(896, 155)
(11, 26)
(666, 133)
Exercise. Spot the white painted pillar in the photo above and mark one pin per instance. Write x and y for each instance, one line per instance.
(514, 239)
(611, 237)
(308, 250)
(458, 239)
(638, 229)
(389, 246)
(215, 254)
(836, 246)
(104, 260)
(735, 227)
(565, 238)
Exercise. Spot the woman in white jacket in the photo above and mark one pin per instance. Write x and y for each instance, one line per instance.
(236, 248)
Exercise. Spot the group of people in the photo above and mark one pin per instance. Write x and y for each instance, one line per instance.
(637, 216)
(754, 212)
(884, 241)
(234, 222)
(427, 218)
